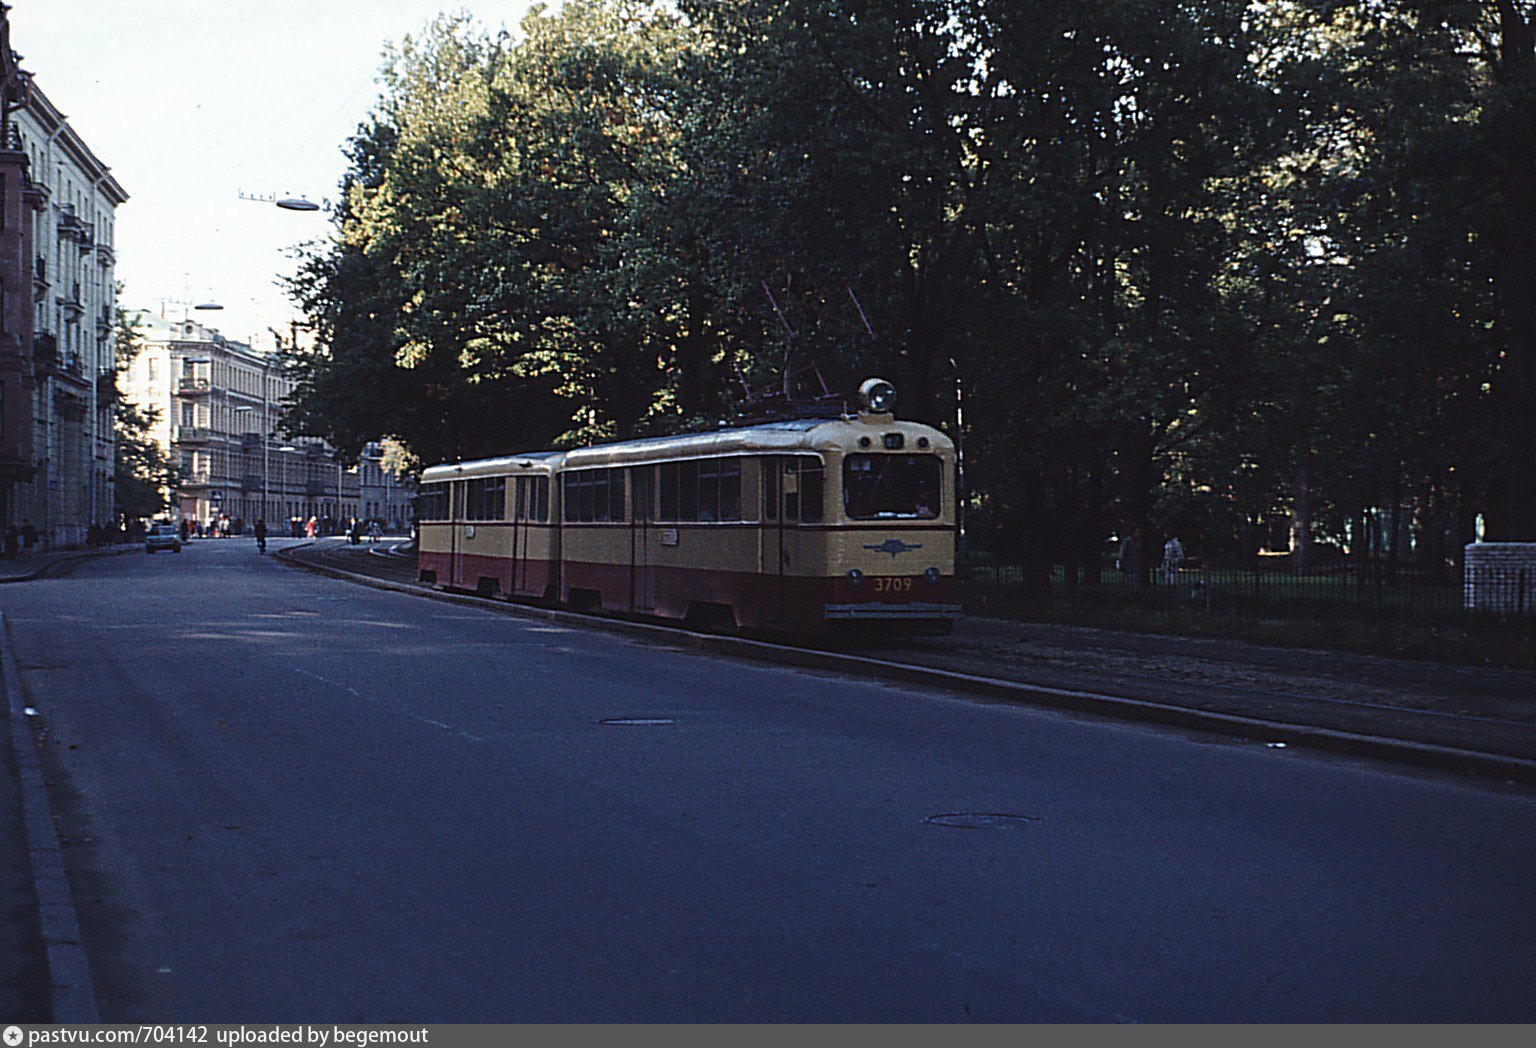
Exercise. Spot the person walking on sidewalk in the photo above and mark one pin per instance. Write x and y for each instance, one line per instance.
(1173, 559)
(261, 536)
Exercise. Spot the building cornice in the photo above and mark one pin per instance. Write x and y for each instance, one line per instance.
(56, 125)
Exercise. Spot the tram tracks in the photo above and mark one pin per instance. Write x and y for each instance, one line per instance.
(1239, 703)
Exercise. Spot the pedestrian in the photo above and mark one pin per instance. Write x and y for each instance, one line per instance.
(1173, 559)
(311, 527)
(373, 530)
(1129, 561)
(261, 536)
(28, 535)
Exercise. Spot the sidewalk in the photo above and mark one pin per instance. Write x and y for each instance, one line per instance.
(23, 960)
(25, 993)
(1427, 704)
(26, 566)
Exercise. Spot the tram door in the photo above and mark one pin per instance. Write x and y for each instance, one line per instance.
(771, 537)
(790, 555)
(456, 534)
(642, 565)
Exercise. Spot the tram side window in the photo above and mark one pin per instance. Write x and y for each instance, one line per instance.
(803, 486)
(531, 501)
(593, 495)
(699, 490)
(432, 502)
(486, 499)
(770, 474)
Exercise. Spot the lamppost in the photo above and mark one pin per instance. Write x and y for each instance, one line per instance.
(284, 451)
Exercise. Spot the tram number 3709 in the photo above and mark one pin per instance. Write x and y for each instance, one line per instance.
(900, 585)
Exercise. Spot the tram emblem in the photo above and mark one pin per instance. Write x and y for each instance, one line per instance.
(893, 547)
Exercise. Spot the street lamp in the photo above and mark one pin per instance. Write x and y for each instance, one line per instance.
(287, 203)
(284, 451)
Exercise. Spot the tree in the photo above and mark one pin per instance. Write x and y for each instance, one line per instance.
(143, 475)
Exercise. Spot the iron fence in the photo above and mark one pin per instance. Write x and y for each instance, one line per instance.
(1491, 598)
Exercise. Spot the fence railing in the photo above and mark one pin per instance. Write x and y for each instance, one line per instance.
(1495, 599)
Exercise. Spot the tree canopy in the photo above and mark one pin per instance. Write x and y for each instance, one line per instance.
(1256, 272)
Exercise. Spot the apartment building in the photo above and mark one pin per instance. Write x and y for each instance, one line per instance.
(57, 295)
(217, 403)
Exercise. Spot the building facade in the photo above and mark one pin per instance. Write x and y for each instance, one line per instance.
(217, 403)
(387, 497)
(57, 296)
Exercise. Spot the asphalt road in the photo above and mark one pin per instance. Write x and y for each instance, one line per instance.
(285, 798)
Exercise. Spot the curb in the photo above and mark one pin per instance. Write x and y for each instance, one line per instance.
(66, 558)
(72, 993)
(1419, 754)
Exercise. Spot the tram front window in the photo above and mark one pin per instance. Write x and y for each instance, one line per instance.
(877, 487)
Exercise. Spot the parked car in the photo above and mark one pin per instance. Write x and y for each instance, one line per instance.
(162, 536)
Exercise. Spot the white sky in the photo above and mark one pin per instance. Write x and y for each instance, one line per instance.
(190, 102)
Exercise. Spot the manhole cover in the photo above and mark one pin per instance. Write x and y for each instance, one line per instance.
(980, 820)
(637, 722)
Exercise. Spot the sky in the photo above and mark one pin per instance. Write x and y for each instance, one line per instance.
(191, 103)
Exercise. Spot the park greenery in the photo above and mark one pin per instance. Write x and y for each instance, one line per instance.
(1259, 272)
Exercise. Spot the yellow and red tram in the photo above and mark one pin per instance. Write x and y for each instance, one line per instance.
(800, 524)
(491, 525)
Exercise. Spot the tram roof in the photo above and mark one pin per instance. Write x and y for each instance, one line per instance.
(533, 462)
(783, 436)
(788, 435)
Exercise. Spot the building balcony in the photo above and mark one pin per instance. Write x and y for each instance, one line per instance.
(106, 387)
(191, 434)
(191, 387)
(69, 366)
(35, 194)
(70, 225)
(105, 255)
(250, 442)
(195, 478)
(45, 353)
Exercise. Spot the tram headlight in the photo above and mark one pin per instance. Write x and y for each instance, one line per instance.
(878, 395)
(932, 575)
(855, 577)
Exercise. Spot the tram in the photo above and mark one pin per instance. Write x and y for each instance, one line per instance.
(803, 525)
